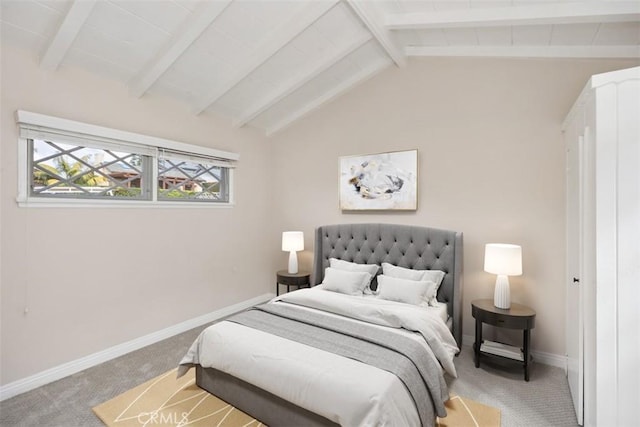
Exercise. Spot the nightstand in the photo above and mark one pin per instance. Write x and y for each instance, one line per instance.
(516, 317)
(299, 279)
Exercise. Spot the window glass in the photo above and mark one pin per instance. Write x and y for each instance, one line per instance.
(66, 170)
(180, 180)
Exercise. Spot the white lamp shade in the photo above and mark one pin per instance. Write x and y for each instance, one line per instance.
(503, 259)
(292, 241)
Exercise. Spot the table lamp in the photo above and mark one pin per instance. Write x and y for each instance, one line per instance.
(292, 241)
(504, 260)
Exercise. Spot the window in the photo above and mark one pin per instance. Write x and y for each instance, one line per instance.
(75, 164)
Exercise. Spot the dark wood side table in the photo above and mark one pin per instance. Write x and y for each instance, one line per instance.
(516, 317)
(299, 279)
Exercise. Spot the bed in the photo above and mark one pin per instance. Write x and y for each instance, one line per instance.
(253, 361)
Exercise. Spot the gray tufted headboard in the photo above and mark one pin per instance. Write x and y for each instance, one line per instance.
(419, 248)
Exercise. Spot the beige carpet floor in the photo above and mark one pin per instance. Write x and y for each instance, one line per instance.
(167, 401)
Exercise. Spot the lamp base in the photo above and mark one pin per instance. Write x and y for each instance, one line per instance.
(502, 293)
(293, 262)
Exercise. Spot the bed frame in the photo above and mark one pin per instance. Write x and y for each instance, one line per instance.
(419, 248)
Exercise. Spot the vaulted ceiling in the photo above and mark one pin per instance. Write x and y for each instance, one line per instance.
(266, 63)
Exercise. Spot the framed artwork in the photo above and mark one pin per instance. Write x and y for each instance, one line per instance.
(385, 181)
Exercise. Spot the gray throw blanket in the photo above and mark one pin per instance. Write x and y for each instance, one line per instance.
(386, 350)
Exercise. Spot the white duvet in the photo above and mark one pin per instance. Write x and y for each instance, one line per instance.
(340, 389)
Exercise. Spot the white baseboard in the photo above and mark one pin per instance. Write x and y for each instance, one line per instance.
(545, 358)
(53, 374)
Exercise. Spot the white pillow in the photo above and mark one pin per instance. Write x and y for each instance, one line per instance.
(372, 269)
(345, 282)
(408, 291)
(434, 276)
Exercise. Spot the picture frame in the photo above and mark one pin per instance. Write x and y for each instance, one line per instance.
(383, 181)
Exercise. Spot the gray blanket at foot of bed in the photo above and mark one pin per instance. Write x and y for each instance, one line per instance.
(387, 350)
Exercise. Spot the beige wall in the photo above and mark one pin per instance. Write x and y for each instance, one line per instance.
(491, 164)
(95, 278)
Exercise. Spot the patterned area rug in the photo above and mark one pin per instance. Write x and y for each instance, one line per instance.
(167, 401)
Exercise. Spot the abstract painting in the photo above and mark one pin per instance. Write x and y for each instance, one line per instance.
(379, 181)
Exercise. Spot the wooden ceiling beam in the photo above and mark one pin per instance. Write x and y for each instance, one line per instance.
(282, 36)
(335, 92)
(370, 16)
(527, 51)
(542, 14)
(190, 30)
(66, 34)
(300, 80)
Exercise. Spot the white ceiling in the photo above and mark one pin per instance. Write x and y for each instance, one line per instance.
(267, 63)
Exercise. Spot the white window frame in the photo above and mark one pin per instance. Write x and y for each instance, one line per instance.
(33, 123)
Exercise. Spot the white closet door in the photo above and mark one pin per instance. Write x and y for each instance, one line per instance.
(629, 252)
(574, 313)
